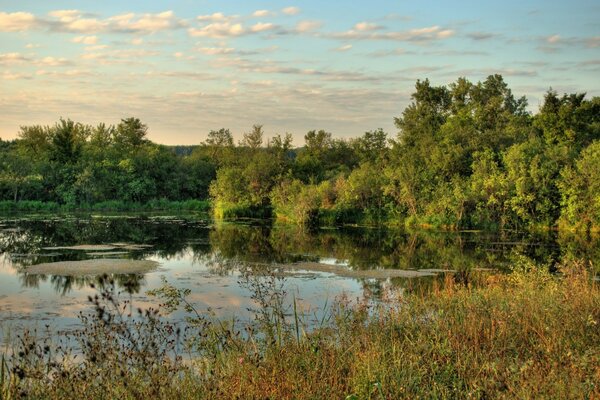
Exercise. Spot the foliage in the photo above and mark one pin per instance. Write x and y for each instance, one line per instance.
(467, 155)
(528, 334)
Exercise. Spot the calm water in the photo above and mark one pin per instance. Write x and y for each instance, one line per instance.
(194, 253)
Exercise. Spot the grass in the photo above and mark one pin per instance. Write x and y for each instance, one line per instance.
(8, 206)
(527, 334)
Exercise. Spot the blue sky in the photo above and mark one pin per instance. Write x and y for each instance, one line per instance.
(185, 67)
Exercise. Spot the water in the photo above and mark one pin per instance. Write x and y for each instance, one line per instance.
(195, 253)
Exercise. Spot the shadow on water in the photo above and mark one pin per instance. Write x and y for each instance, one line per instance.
(224, 247)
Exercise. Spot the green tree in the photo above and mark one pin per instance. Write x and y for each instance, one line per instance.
(580, 190)
(254, 138)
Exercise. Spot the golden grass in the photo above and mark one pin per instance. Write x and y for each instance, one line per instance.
(524, 335)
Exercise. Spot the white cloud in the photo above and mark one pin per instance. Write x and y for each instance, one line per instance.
(218, 30)
(12, 58)
(10, 76)
(418, 35)
(96, 47)
(77, 21)
(291, 11)
(74, 21)
(366, 27)
(553, 39)
(17, 21)
(212, 51)
(65, 15)
(262, 13)
(307, 26)
(216, 17)
(137, 41)
(89, 40)
(345, 47)
(146, 22)
(32, 46)
(68, 73)
(53, 61)
(261, 27)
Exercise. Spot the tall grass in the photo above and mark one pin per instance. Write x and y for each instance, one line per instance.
(527, 334)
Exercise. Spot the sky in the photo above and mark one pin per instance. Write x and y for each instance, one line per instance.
(186, 67)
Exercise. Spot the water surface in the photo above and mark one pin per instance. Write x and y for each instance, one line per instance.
(195, 253)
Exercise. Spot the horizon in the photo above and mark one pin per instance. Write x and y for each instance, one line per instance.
(185, 68)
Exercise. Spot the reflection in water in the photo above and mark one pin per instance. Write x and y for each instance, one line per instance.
(197, 250)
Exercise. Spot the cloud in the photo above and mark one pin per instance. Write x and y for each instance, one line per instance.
(67, 73)
(85, 40)
(366, 27)
(262, 27)
(10, 76)
(65, 15)
(262, 13)
(74, 21)
(593, 42)
(218, 30)
(307, 26)
(18, 58)
(291, 11)
(556, 43)
(345, 47)
(12, 58)
(425, 34)
(17, 21)
(32, 46)
(96, 47)
(80, 22)
(388, 53)
(216, 17)
(165, 20)
(481, 35)
(123, 56)
(223, 51)
(53, 61)
(213, 51)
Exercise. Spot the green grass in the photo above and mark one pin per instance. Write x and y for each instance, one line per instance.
(527, 334)
(233, 211)
(111, 205)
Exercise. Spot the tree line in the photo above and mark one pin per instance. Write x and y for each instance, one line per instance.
(466, 155)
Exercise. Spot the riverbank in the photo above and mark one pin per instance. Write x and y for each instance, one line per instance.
(527, 334)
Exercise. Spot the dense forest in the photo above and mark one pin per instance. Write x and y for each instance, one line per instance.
(466, 155)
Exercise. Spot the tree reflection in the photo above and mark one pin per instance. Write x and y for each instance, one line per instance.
(225, 247)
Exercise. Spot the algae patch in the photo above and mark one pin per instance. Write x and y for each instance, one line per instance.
(93, 267)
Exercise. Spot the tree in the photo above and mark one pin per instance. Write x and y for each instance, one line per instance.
(254, 138)
(580, 190)
(130, 134)
(372, 146)
(219, 138)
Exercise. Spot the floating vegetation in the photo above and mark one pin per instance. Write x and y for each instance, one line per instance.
(83, 247)
(93, 267)
(101, 247)
(341, 270)
(106, 253)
